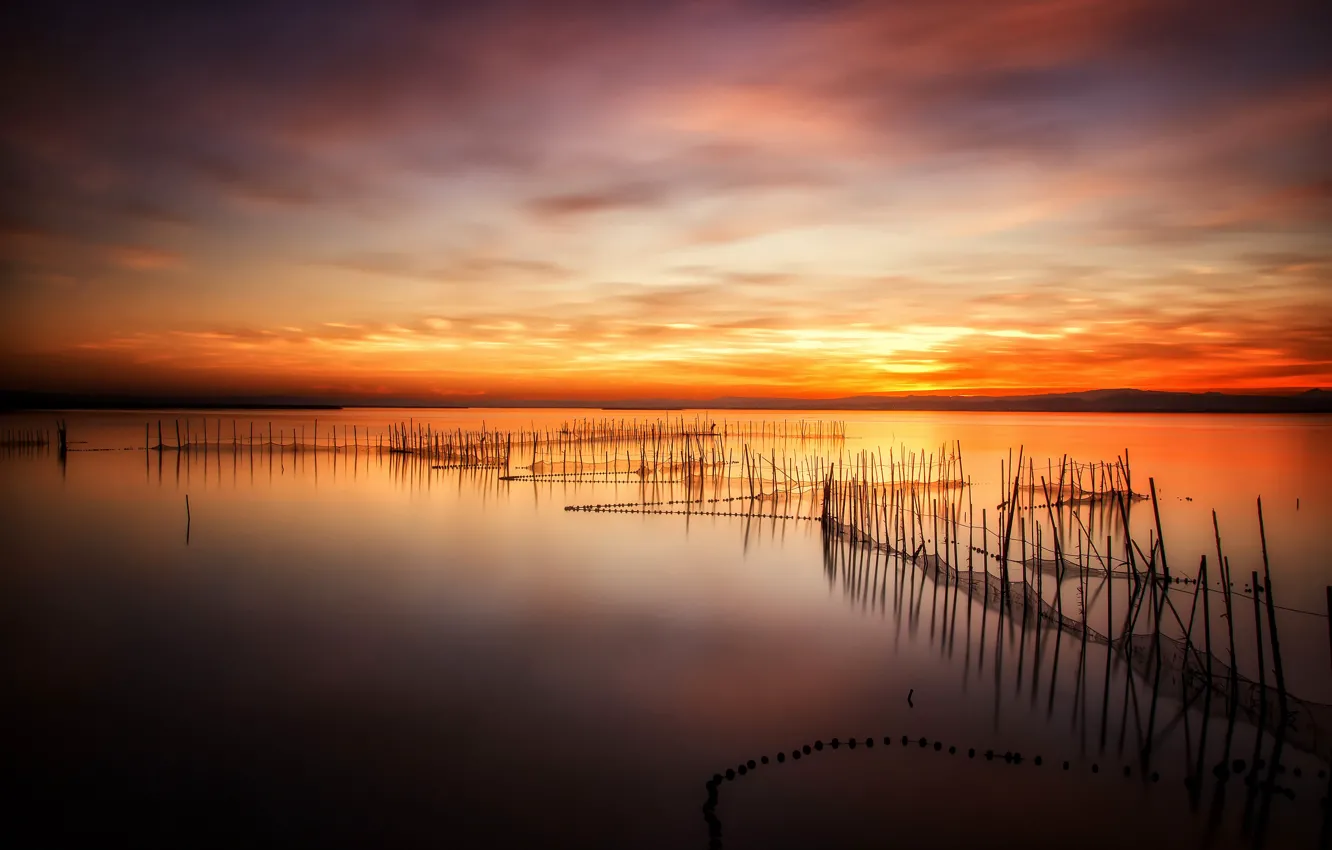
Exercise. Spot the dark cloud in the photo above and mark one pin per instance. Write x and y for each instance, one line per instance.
(276, 178)
(627, 196)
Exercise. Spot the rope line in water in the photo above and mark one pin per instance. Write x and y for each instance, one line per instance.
(1222, 770)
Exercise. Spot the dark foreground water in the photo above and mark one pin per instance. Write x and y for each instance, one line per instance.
(352, 648)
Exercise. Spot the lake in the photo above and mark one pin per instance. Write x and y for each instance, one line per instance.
(342, 643)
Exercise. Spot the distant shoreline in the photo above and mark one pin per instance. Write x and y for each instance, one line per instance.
(1315, 401)
(136, 408)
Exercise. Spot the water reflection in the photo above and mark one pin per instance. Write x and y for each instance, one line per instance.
(1148, 680)
(356, 637)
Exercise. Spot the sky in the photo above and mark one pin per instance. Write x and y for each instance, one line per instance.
(556, 200)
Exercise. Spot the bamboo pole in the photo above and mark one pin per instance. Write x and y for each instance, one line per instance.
(1271, 615)
(1258, 635)
(1223, 567)
(1207, 616)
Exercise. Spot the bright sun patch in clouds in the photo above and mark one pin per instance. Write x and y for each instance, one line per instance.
(667, 200)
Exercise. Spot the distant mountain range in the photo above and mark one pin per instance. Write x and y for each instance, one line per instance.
(1090, 401)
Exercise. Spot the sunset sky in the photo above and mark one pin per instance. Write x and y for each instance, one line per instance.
(491, 200)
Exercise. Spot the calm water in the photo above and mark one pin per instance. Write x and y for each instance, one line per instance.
(356, 648)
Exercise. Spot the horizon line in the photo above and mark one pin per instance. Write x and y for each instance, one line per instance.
(1108, 400)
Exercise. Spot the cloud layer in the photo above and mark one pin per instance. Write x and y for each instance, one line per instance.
(621, 199)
